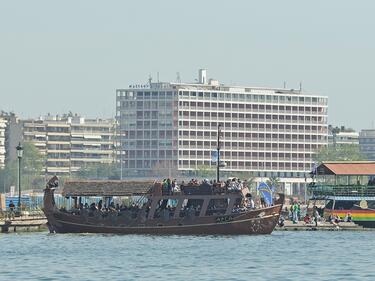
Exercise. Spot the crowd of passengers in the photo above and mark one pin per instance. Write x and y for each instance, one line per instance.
(102, 209)
(230, 184)
(163, 210)
(170, 186)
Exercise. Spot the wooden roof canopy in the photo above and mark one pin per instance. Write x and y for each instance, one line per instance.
(105, 188)
(350, 168)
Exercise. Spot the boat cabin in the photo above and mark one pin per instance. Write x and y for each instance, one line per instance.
(343, 179)
(148, 200)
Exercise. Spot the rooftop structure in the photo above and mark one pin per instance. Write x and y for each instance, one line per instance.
(343, 138)
(352, 168)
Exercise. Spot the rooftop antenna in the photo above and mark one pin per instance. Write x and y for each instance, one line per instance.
(300, 87)
(158, 76)
(178, 78)
(149, 79)
(284, 84)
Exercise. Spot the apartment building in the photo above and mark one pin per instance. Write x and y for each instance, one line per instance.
(342, 135)
(3, 124)
(10, 136)
(71, 142)
(367, 143)
(266, 131)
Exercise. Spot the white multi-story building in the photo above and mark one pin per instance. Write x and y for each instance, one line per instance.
(13, 134)
(71, 142)
(367, 143)
(342, 135)
(267, 131)
(3, 125)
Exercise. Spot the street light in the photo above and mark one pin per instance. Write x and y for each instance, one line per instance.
(218, 154)
(19, 155)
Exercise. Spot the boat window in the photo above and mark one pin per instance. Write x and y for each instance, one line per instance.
(191, 207)
(370, 205)
(217, 207)
(329, 205)
(166, 208)
(345, 205)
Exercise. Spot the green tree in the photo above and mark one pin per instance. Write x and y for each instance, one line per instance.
(32, 165)
(32, 170)
(165, 169)
(342, 152)
(274, 182)
(109, 171)
(251, 184)
(8, 176)
(206, 171)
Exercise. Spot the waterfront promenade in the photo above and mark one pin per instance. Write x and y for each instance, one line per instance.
(23, 223)
(322, 226)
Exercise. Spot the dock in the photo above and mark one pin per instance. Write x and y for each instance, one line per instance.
(322, 226)
(23, 224)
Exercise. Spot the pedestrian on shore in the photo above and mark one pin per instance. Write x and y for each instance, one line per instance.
(299, 211)
(11, 209)
(295, 213)
(316, 215)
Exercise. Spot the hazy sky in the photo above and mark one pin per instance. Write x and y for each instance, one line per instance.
(57, 56)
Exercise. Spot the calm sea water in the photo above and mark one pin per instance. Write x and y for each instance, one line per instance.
(280, 256)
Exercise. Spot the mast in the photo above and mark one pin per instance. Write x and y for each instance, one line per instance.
(218, 154)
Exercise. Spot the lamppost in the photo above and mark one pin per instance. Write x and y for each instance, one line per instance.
(19, 155)
(218, 154)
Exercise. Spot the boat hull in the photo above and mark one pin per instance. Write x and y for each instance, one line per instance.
(260, 225)
(259, 221)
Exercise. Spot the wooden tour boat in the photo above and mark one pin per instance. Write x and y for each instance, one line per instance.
(194, 209)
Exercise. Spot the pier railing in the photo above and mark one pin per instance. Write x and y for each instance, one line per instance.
(321, 190)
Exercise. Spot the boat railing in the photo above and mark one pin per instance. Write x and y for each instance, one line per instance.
(194, 189)
(324, 190)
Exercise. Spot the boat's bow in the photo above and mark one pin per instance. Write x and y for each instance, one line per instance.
(49, 206)
(279, 200)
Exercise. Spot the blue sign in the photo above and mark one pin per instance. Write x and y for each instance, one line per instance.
(214, 156)
(266, 193)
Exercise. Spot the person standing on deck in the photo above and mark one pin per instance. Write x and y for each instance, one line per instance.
(169, 186)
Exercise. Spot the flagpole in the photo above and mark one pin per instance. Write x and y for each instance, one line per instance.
(218, 155)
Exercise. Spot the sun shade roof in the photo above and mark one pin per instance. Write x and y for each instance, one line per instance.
(347, 168)
(106, 188)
